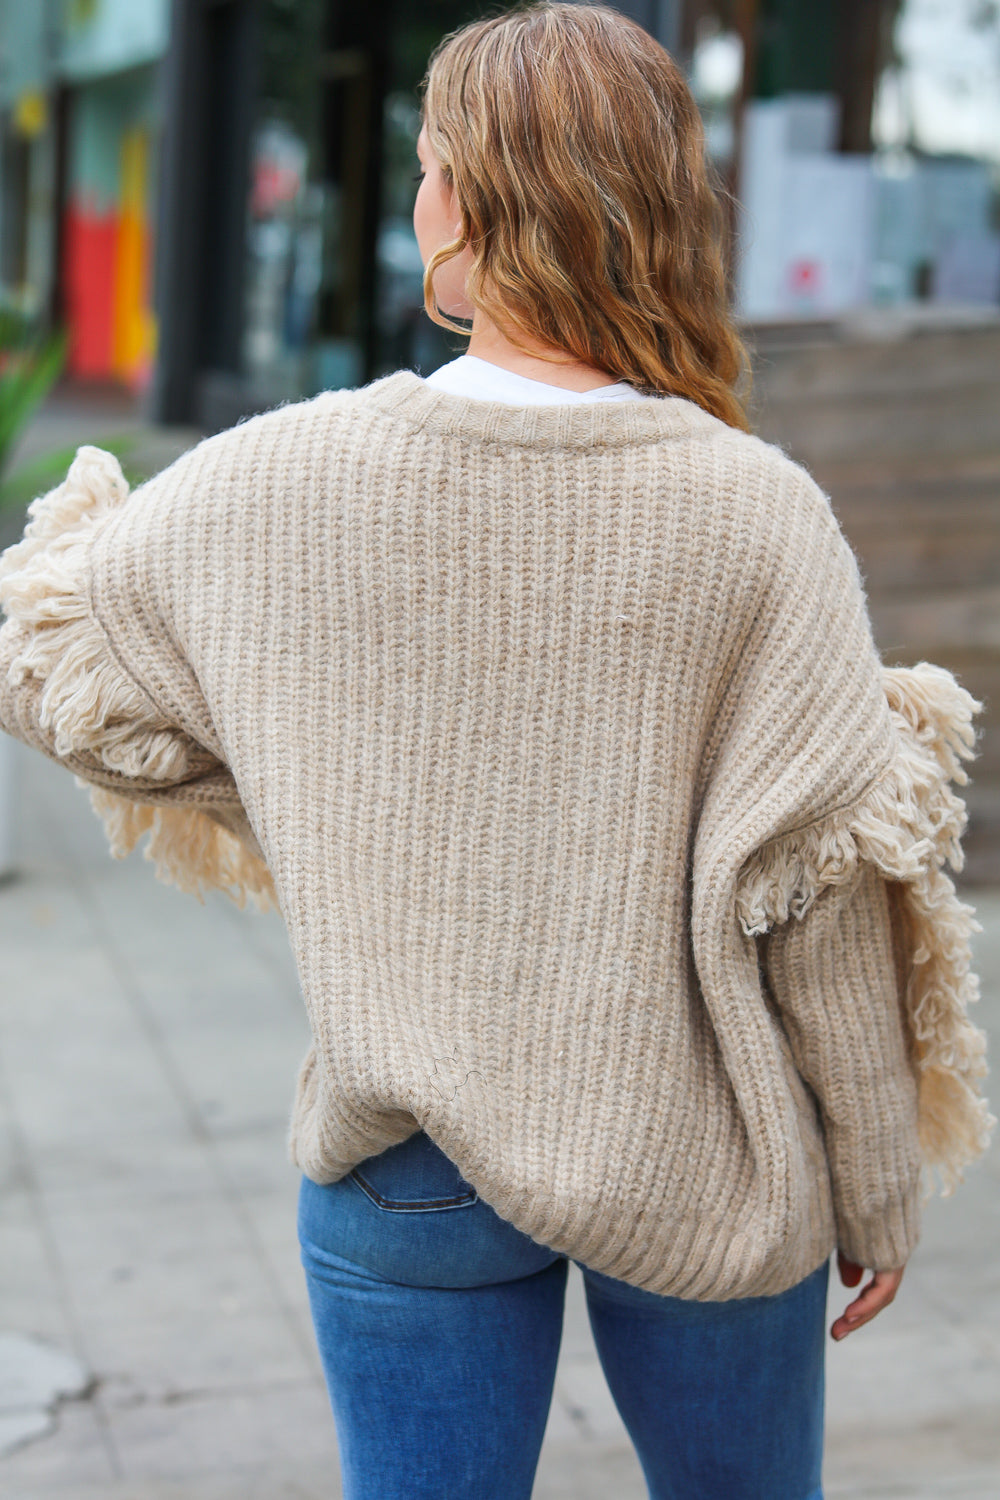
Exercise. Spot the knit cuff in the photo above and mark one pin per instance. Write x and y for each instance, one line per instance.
(881, 1236)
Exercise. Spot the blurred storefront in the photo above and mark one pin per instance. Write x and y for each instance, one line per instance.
(319, 282)
(870, 158)
(245, 168)
(329, 284)
(78, 90)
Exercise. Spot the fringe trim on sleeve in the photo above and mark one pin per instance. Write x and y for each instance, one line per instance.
(89, 704)
(908, 825)
(188, 848)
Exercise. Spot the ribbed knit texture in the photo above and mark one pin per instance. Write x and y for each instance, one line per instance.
(541, 720)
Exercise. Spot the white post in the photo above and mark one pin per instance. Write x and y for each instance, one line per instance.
(7, 772)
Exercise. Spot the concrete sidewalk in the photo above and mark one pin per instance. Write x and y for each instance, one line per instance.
(149, 1047)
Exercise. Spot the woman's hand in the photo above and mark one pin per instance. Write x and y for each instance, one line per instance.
(877, 1294)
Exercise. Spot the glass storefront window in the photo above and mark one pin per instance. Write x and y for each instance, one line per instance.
(287, 211)
(936, 129)
(716, 81)
(335, 284)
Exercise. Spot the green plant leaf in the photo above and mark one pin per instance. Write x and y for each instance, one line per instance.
(24, 384)
(43, 473)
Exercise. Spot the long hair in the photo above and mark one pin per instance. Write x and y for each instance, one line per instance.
(577, 155)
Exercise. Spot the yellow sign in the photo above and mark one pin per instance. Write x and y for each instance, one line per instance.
(31, 113)
(82, 12)
(133, 329)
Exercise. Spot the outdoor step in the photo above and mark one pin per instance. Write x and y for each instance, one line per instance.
(923, 362)
(925, 393)
(897, 556)
(890, 424)
(915, 472)
(936, 501)
(965, 620)
(981, 843)
(920, 529)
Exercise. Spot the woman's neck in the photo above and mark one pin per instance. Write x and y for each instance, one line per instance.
(549, 365)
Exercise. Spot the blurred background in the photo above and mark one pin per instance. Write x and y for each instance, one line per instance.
(205, 210)
(213, 197)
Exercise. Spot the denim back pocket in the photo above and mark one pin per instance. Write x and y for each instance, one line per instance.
(414, 1177)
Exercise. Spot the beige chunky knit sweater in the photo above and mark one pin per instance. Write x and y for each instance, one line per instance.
(609, 853)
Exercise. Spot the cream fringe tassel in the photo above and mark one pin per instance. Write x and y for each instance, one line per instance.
(188, 848)
(908, 825)
(89, 704)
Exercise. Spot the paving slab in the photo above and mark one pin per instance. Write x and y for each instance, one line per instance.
(34, 1378)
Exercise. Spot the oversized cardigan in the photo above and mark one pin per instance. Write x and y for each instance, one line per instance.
(610, 854)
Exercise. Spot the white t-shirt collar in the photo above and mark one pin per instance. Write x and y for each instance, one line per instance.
(479, 380)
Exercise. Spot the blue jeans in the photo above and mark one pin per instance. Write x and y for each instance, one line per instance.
(439, 1324)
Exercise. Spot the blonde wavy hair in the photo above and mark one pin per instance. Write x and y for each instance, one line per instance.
(577, 155)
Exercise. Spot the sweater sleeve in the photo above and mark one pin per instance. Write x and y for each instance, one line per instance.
(64, 691)
(869, 948)
(833, 978)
